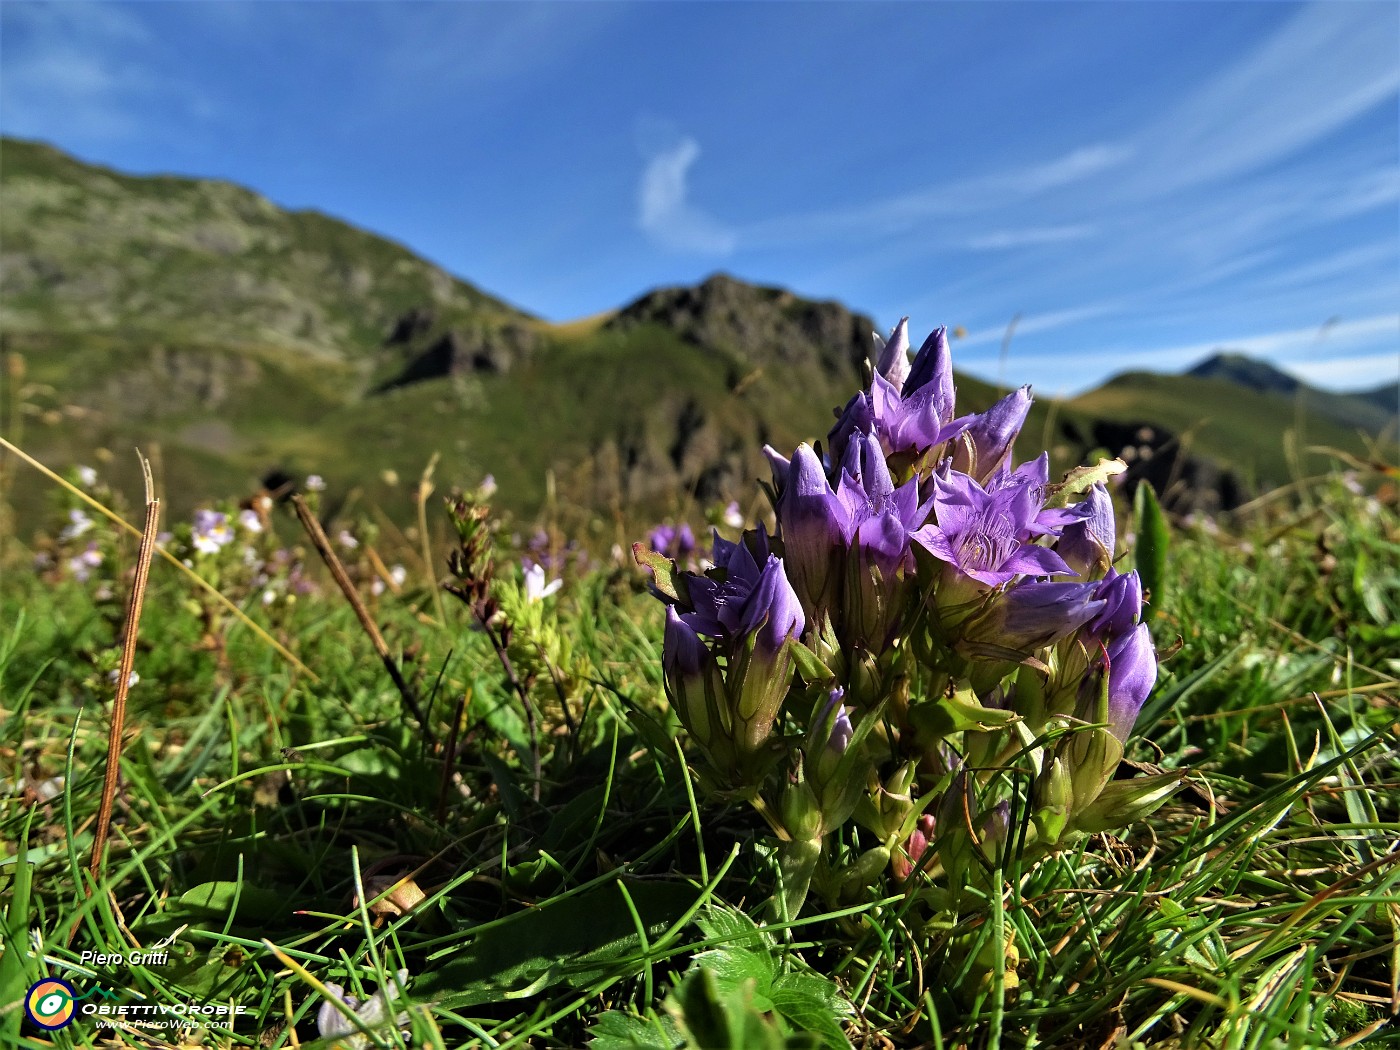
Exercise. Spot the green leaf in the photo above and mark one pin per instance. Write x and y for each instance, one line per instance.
(813, 1004)
(619, 1031)
(810, 1014)
(1150, 553)
(704, 1013)
(574, 940)
(733, 967)
(223, 899)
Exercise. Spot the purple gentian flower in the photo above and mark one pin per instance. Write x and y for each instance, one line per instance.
(750, 600)
(909, 408)
(1030, 480)
(1132, 672)
(1122, 594)
(813, 522)
(982, 534)
(841, 728)
(1032, 614)
(682, 650)
(892, 356)
(1087, 545)
(772, 613)
(988, 437)
(674, 541)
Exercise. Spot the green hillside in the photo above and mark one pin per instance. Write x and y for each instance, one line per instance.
(1219, 419)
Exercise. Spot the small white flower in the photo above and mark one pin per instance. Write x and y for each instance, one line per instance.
(249, 520)
(398, 574)
(487, 488)
(113, 675)
(347, 540)
(733, 517)
(315, 483)
(78, 523)
(269, 596)
(87, 477)
(536, 589)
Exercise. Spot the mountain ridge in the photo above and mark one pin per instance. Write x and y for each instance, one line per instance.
(240, 338)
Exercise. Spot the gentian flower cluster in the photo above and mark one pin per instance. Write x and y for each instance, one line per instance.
(935, 639)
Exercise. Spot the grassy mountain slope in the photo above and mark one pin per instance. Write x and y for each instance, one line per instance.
(1360, 410)
(87, 249)
(1220, 420)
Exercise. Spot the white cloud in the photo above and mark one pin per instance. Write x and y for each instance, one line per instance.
(1029, 237)
(664, 211)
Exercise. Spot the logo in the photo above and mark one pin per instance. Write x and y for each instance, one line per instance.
(49, 1003)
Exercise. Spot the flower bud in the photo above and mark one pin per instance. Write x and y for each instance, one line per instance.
(893, 359)
(986, 444)
(1051, 798)
(1032, 615)
(811, 519)
(1132, 672)
(693, 682)
(1122, 596)
(1087, 546)
(1124, 802)
(1091, 755)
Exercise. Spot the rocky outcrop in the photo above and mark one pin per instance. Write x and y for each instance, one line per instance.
(457, 351)
(757, 325)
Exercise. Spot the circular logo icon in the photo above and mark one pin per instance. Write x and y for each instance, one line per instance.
(49, 1003)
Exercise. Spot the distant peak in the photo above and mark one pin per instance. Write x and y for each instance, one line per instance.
(1236, 367)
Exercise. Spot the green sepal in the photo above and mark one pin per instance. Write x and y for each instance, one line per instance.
(809, 665)
(936, 719)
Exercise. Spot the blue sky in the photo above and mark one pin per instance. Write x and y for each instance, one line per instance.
(1137, 184)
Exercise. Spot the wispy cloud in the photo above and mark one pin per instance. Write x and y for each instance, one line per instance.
(1312, 347)
(943, 200)
(1074, 166)
(1029, 237)
(1362, 372)
(1260, 110)
(664, 211)
(71, 70)
(432, 47)
(1033, 323)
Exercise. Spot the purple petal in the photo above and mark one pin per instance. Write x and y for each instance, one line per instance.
(1037, 561)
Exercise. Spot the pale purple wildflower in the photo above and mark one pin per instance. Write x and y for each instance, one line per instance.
(983, 534)
(211, 531)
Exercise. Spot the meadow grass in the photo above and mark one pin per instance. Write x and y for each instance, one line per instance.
(275, 833)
